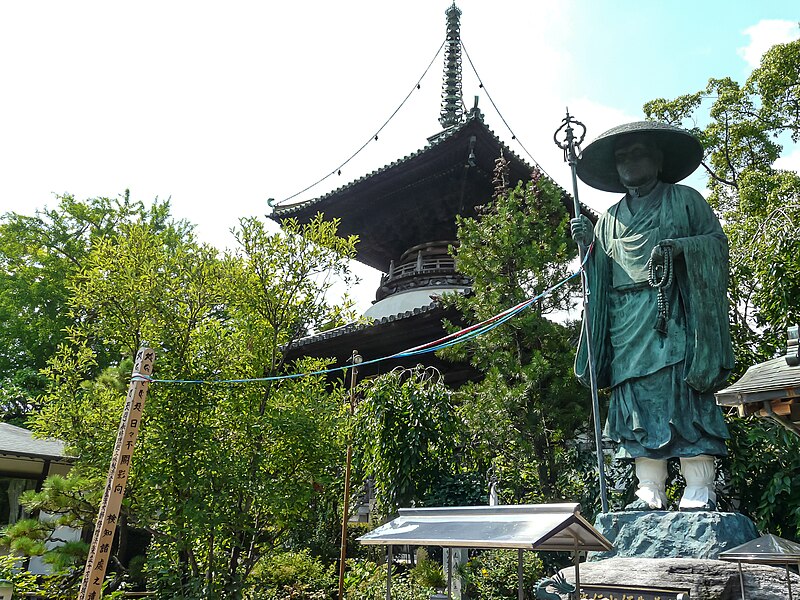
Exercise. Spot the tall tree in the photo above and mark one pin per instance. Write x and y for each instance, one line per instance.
(40, 256)
(222, 471)
(759, 202)
(521, 414)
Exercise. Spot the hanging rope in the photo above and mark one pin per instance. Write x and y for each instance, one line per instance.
(447, 341)
(499, 114)
(372, 138)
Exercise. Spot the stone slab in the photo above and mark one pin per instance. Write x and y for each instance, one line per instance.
(671, 534)
(706, 579)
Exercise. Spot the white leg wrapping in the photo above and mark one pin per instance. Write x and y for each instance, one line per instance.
(652, 476)
(698, 471)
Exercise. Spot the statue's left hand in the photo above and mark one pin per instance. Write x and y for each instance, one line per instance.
(658, 252)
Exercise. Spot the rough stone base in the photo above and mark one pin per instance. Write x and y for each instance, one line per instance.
(706, 579)
(671, 534)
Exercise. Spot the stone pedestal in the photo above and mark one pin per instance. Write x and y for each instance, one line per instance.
(705, 579)
(670, 534)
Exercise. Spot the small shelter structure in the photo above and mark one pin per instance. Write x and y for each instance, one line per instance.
(767, 550)
(542, 527)
(25, 462)
(770, 389)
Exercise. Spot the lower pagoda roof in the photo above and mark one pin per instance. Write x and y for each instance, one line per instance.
(383, 337)
(415, 199)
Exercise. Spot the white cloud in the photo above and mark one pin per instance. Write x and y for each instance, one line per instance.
(765, 34)
(790, 161)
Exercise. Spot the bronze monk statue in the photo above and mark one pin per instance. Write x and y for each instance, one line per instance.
(658, 311)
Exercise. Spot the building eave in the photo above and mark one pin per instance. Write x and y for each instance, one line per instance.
(422, 192)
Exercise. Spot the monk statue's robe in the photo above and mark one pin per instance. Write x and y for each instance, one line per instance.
(662, 402)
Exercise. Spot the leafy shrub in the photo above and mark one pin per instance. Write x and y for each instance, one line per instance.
(492, 575)
(366, 580)
(293, 575)
(427, 572)
(760, 475)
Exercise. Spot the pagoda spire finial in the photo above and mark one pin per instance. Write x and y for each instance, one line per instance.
(452, 111)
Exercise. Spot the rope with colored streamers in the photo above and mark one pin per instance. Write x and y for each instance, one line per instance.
(459, 337)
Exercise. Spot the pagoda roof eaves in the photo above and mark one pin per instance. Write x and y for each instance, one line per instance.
(357, 326)
(287, 211)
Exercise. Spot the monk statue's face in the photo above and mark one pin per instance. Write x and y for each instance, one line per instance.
(638, 161)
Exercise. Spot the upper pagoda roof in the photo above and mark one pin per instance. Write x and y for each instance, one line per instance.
(415, 199)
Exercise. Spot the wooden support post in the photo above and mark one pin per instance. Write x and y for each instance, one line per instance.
(789, 581)
(107, 517)
(741, 579)
(449, 572)
(356, 360)
(389, 572)
(577, 569)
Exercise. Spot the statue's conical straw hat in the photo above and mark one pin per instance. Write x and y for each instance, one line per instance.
(682, 154)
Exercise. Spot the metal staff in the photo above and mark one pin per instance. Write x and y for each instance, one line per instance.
(569, 145)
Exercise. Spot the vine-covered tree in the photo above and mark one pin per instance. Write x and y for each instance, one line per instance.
(404, 430)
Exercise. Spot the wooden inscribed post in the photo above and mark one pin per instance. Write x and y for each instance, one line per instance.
(106, 525)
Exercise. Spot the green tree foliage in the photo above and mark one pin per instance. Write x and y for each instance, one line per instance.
(520, 416)
(761, 473)
(222, 472)
(40, 256)
(404, 429)
(742, 128)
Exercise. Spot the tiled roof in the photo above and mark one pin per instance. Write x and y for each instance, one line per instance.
(17, 441)
(285, 211)
(281, 211)
(362, 325)
(765, 381)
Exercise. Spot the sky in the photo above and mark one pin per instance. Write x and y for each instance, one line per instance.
(220, 106)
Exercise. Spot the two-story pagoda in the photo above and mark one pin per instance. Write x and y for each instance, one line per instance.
(405, 217)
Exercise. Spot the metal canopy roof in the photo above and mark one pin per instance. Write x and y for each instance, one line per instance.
(548, 527)
(768, 550)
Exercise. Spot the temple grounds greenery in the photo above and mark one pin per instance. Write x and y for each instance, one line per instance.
(236, 489)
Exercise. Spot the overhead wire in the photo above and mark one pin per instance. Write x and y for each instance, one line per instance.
(417, 86)
(499, 114)
(372, 138)
(447, 341)
(453, 339)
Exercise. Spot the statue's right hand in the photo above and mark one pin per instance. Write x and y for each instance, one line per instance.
(582, 230)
